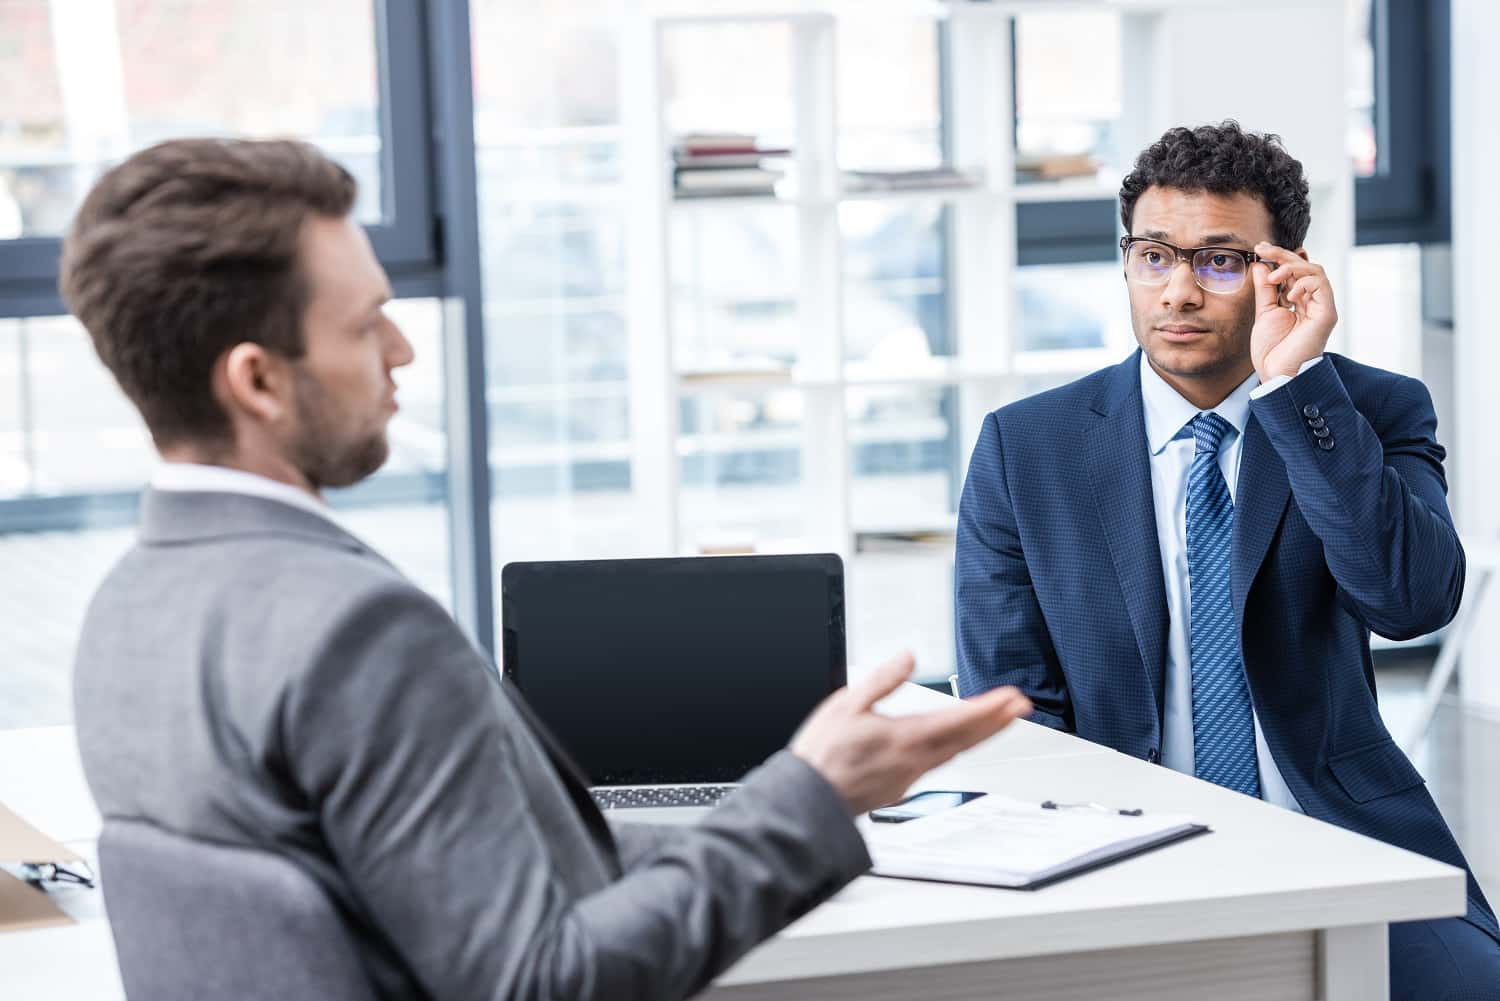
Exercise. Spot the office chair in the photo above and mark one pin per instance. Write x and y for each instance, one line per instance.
(196, 921)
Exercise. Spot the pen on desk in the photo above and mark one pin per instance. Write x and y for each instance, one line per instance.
(1048, 804)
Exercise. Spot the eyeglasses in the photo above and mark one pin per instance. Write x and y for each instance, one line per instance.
(41, 874)
(1220, 270)
(76, 873)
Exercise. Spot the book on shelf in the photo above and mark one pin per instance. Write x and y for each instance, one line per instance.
(921, 540)
(756, 190)
(751, 180)
(1054, 166)
(770, 159)
(736, 374)
(915, 178)
(717, 142)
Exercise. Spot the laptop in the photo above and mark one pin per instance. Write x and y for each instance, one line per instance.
(668, 679)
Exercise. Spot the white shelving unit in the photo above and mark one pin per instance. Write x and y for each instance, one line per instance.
(1183, 63)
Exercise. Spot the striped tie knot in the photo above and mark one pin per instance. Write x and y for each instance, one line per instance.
(1208, 430)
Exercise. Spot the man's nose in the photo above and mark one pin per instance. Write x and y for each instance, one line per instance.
(400, 352)
(1181, 290)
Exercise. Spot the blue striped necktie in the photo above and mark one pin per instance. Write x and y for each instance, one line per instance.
(1223, 722)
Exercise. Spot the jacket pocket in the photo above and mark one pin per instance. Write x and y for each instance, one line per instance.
(1374, 771)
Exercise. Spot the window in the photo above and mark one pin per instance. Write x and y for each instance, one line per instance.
(100, 80)
(895, 284)
(115, 77)
(734, 287)
(1072, 307)
(889, 104)
(1067, 91)
(903, 447)
(74, 456)
(552, 245)
(1399, 133)
(1068, 98)
(1362, 135)
(69, 445)
(88, 91)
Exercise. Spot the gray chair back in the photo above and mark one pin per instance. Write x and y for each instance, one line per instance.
(196, 921)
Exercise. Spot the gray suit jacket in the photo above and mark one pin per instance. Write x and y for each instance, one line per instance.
(251, 674)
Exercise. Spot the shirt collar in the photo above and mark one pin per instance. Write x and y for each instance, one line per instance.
(1166, 410)
(192, 476)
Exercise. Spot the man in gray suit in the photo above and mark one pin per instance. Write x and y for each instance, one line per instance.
(253, 674)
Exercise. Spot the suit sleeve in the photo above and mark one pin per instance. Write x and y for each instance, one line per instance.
(408, 745)
(1002, 637)
(640, 843)
(1373, 490)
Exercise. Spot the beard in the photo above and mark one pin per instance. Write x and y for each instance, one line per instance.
(1185, 363)
(324, 453)
(1227, 350)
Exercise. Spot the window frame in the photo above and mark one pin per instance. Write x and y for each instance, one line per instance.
(428, 177)
(1408, 199)
(406, 241)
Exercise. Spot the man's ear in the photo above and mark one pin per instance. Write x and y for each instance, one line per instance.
(1302, 253)
(253, 382)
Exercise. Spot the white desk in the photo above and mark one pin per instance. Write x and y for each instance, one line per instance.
(41, 779)
(1270, 906)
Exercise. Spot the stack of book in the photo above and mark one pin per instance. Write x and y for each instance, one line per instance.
(720, 164)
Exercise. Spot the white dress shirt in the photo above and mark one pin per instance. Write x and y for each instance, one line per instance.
(1166, 413)
(192, 476)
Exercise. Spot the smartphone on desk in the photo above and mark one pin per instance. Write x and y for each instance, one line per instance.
(923, 804)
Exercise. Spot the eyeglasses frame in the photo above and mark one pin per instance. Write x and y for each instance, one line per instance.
(1186, 255)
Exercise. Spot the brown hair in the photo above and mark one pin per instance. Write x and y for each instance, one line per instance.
(187, 249)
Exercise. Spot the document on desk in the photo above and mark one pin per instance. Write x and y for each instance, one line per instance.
(995, 841)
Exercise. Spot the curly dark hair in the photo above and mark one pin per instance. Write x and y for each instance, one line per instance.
(187, 249)
(1224, 159)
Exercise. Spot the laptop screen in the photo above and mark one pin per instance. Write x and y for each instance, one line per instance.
(674, 670)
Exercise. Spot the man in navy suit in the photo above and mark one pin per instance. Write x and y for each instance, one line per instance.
(1293, 500)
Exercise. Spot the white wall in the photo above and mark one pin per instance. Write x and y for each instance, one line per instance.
(1476, 226)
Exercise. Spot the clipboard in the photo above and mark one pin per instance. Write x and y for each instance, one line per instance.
(1009, 844)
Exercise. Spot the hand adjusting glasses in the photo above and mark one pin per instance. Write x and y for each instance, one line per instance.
(1220, 270)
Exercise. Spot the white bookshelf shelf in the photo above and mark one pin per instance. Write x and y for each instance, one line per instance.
(720, 203)
(942, 372)
(1162, 43)
(950, 193)
(712, 203)
(1071, 190)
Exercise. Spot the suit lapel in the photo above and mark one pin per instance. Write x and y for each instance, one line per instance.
(1119, 470)
(1260, 502)
(570, 775)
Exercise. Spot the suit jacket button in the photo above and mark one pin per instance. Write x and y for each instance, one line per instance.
(1310, 411)
(1316, 422)
(1326, 444)
(1322, 432)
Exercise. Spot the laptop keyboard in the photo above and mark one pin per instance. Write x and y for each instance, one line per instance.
(626, 797)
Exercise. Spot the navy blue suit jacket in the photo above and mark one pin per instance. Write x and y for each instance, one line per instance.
(1059, 581)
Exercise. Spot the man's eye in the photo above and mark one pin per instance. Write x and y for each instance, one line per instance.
(1153, 257)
